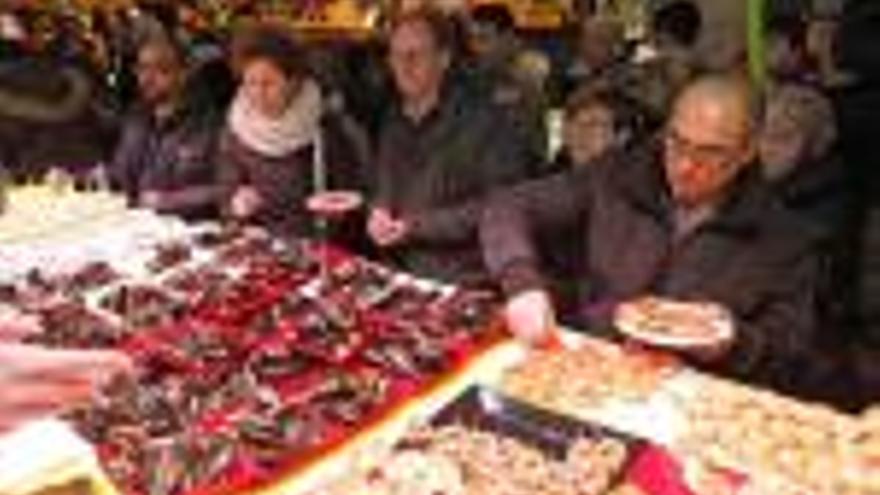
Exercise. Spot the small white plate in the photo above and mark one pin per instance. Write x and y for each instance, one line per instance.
(334, 202)
(645, 321)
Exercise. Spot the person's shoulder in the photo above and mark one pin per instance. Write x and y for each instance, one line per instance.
(780, 226)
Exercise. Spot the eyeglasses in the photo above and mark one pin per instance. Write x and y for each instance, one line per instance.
(711, 155)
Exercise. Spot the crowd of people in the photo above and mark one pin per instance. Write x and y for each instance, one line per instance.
(670, 180)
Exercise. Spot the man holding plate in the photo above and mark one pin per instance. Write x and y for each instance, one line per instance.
(678, 232)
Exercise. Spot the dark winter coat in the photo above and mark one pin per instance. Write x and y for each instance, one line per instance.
(436, 173)
(754, 256)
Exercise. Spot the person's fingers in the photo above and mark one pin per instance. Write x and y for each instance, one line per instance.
(530, 317)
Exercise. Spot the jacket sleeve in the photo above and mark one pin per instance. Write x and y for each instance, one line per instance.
(199, 189)
(122, 171)
(777, 335)
(513, 219)
(504, 163)
(229, 172)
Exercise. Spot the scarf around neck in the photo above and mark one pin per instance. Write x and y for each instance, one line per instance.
(293, 130)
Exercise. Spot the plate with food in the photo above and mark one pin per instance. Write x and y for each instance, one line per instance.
(333, 203)
(675, 324)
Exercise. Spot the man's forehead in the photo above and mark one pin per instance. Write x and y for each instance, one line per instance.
(413, 33)
(705, 115)
(158, 54)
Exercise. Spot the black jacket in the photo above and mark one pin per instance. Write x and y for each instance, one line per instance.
(754, 256)
(436, 174)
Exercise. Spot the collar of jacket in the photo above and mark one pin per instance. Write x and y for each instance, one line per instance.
(185, 113)
(640, 180)
(450, 102)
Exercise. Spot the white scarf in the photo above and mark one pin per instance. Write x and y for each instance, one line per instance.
(296, 128)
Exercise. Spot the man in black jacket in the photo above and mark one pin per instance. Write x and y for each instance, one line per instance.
(441, 150)
(164, 159)
(688, 220)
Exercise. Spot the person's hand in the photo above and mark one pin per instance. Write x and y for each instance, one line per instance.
(530, 317)
(710, 354)
(245, 202)
(384, 229)
(37, 381)
(152, 200)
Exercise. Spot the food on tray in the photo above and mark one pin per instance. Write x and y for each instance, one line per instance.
(241, 373)
(412, 353)
(198, 280)
(459, 460)
(574, 380)
(169, 255)
(73, 325)
(770, 435)
(630, 489)
(42, 212)
(674, 323)
(330, 332)
(92, 276)
(142, 306)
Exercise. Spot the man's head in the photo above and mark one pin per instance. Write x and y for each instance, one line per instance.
(420, 53)
(600, 41)
(678, 23)
(595, 123)
(709, 139)
(160, 70)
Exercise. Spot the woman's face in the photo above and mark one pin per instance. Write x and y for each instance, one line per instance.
(266, 87)
(588, 134)
(782, 143)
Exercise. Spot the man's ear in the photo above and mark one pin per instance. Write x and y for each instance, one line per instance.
(750, 149)
(445, 59)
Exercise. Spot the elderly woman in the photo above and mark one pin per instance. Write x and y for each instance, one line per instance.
(796, 149)
(274, 136)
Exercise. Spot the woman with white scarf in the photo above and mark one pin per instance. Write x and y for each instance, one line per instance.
(268, 152)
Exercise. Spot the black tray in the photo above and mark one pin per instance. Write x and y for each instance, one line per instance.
(487, 410)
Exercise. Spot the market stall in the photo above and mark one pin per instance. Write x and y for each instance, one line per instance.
(267, 365)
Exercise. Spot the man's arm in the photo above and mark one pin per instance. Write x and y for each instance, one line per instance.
(778, 334)
(503, 163)
(513, 219)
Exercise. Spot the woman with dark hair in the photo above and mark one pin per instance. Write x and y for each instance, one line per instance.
(596, 122)
(276, 132)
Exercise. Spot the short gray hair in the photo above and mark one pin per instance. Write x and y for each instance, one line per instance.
(811, 111)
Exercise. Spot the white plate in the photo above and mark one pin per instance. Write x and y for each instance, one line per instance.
(630, 320)
(334, 202)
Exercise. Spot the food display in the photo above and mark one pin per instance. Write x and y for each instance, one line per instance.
(580, 379)
(257, 358)
(671, 323)
(141, 306)
(809, 447)
(41, 211)
(249, 365)
(73, 325)
(485, 444)
(455, 460)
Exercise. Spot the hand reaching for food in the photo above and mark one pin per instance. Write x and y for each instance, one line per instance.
(530, 317)
(385, 229)
(37, 381)
(245, 202)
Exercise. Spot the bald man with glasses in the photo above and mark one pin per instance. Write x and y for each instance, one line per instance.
(685, 217)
